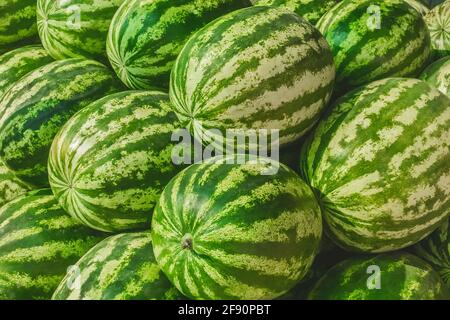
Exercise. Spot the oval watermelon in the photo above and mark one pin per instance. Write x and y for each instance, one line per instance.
(373, 40)
(438, 75)
(227, 231)
(146, 37)
(121, 267)
(394, 276)
(75, 28)
(111, 161)
(38, 242)
(438, 22)
(17, 23)
(380, 165)
(310, 10)
(255, 68)
(38, 105)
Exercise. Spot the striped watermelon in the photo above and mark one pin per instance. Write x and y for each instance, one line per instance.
(373, 40)
(121, 267)
(311, 10)
(380, 165)
(438, 22)
(394, 276)
(438, 75)
(435, 249)
(226, 231)
(255, 68)
(111, 161)
(36, 107)
(38, 242)
(146, 36)
(10, 186)
(17, 23)
(17, 63)
(75, 28)
(419, 6)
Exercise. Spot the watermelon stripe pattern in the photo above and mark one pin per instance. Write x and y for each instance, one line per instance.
(395, 276)
(311, 10)
(438, 75)
(75, 28)
(17, 23)
(380, 165)
(111, 161)
(38, 105)
(226, 231)
(372, 40)
(146, 37)
(271, 70)
(438, 22)
(121, 267)
(38, 242)
(17, 63)
(10, 186)
(419, 6)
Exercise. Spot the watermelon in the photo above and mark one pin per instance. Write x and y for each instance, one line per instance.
(372, 40)
(17, 63)
(10, 186)
(75, 28)
(17, 23)
(438, 22)
(121, 267)
(145, 37)
(435, 249)
(438, 75)
(38, 242)
(380, 164)
(224, 230)
(37, 106)
(419, 6)
(111, 161)
(308, 9)
(255, 68)
(388, 276)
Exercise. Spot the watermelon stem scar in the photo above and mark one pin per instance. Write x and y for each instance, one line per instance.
(187, 242)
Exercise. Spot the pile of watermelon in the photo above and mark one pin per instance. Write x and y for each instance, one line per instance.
(94, 204)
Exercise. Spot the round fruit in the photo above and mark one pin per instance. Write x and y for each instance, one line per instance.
(438, 75)
(438, 21)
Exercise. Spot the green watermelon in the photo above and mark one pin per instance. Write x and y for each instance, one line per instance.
(75, 28)
(419, 6)
(17, 23)
(17, 63)
(380, 165)
(146, 37)
(393, 276)
(438, 75)
(121, 267)
(37, 106)
(111, 161)
(311, 10)
(230, 231)
(255, 68)
(435, 249)
(10, 186)
(38, 242)
(372, 40)
(438, 22)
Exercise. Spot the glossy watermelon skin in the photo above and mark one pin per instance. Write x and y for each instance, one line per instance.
(438, 22)
(379, 163)
(365, 50)
(17, 23)
(111, 161)
(38, 242)
(435, 250)
(121, 267)
(38, 105)
(75, 28)
(17, 63)
(142, 54)
(310, 10)
(226, 231)
(271, 70)
(438, 75)
(402, 276)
